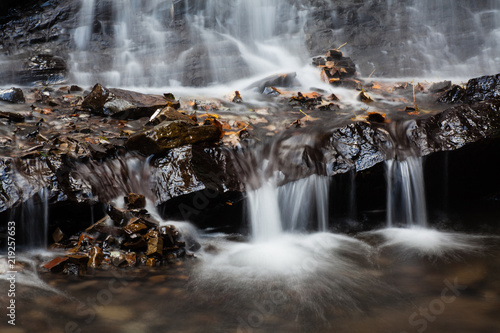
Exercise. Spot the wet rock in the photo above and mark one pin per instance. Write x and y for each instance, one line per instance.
(155, 243)
(15, 117)
(56, 265)
(279, 80)
(271, 91)
(134, 200)
(135, 227)
(456, 127)
(172, 134)
(169, 114)
(96, 257)
(122, 104)
(454, 95)
(482, 88)
(12, 95)
(440, 86)
(364, 97)
(45, 68)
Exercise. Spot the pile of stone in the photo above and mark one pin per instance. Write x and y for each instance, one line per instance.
(124, 238)
(337, 69)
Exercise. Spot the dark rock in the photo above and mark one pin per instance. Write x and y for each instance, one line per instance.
(440, 86)
(15, 117)
(482, 88)
(134, 200)
(45, 68)
(456, 127)
(96, 257)
(271, 91)
(279, 80)
(172, 134)
(170, 114)
(12, 95)
(122, 104)
(364, 97)
(454, 95)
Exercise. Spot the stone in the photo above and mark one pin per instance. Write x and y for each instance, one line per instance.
(135, 227)
(12, 95)
(453, 95)
(12, 116)
(482, 88)
(172, 134)
(440, 86)
(134, 200)
(56, 265)
(364, 97)
(155, 243)
(169, 114)
(122, 104)
(44, 68)
(96, 257)
(271, 91)
(286, 80)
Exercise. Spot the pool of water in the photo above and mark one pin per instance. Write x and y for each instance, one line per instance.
(394, 280)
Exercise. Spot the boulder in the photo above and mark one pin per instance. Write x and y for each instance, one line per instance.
(122, 104)
(172, 134)
(12, 95)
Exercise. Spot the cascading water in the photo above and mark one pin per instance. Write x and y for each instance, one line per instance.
(290, 208)
(195, 43)
(406, 193)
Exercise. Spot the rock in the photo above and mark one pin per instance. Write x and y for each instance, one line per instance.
(45, 68)
(478, 89)
(12, 95)
(170, 114)
(56, 265)
(134, 200)
(482, 88)
(440, 86)
(122, 104)
(279, 80)
(271, 91)
(454, 95)
(12, 116)
(96, 257)
(172, 134)
(155, 244)
(364, 97)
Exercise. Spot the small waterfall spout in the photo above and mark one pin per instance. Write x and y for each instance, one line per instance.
(406, 193)
(295, 207)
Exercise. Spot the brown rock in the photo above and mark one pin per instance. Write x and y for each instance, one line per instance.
(172, 134)
(134, 200)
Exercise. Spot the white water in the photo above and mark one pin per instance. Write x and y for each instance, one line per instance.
(225, 41)
(406, 193)
(295, 207)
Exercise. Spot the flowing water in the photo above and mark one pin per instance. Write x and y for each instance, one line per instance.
(290, 273)
(223, 41)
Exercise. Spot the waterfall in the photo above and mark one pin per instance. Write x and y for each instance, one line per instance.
(295, 207)
(406, 193)
(158, 43)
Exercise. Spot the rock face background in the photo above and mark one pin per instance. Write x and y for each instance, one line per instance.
(109, 42)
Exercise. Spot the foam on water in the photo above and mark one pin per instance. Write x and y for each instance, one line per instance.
(427, 242)
(311, 270)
